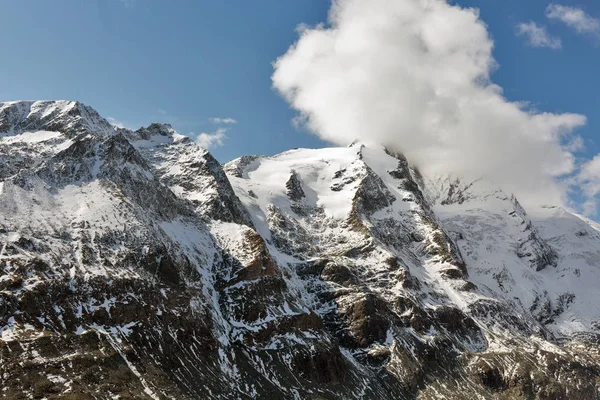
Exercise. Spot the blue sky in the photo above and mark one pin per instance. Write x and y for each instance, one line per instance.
(185, 62)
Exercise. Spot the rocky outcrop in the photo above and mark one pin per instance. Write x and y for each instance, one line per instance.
(294, 187)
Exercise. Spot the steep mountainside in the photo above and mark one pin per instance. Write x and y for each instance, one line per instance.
(133, 265)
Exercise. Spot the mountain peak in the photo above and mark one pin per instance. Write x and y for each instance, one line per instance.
(156, 129)
(68, 117)
(366, 143)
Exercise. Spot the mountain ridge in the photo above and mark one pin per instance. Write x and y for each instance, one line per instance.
(134, 265)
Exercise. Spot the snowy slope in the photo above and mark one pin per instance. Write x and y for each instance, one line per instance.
(421, 247)
(544, 260)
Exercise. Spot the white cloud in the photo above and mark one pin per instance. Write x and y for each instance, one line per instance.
(115, 122)
(538, 36)
(211, 140)
(415, 76)
(223, 121)
(575, 18)
(589, 180)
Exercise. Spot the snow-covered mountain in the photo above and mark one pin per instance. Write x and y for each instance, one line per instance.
(134, 265)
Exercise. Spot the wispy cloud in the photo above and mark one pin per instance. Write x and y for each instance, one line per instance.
(211, 140)
(538, 36)
(575, 18)
(223, 120)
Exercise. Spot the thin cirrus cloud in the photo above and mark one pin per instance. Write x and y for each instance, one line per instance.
(212, 140)
(223, 120)
(415, 77)
(575, 18)
(538, 36)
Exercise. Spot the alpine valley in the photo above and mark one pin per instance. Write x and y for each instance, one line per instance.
(133, 265)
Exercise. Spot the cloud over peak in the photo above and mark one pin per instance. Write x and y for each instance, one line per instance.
(415, 76)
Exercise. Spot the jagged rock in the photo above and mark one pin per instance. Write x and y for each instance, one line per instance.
(325, 366)
(338, 274)
(372, 195)
(368, 320)
(294, 187)
(489, 376)
(236, 167)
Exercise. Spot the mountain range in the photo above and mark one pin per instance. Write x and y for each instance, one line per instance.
(134, 265)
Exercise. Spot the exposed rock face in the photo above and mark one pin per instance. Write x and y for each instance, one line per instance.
(133, 265)
(294, 187)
